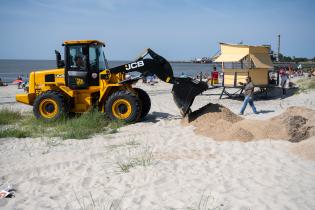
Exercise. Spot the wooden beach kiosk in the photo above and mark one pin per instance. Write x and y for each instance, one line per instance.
(239, 61)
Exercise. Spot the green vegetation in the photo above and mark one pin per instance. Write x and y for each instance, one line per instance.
(306, 84)
(143, 159)
(13, 132)
(87, 202)
(284, 58)
(78, 127)
(8, 116)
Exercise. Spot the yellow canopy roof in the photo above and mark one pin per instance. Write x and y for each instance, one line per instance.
(230, 57)
(235, 53)
(261, 60)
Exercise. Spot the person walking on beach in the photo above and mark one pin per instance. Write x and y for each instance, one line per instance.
(249, 93)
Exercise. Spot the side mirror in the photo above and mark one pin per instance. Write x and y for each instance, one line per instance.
(60, 63)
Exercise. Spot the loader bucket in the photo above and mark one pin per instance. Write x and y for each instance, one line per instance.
(184, 92)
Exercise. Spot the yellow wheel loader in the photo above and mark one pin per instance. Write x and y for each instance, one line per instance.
(83, 80)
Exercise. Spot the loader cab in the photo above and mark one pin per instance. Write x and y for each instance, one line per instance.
(84, 60)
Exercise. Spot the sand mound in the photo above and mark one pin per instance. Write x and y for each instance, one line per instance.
(213, 112)
(299, 123)
(218, 122)
(237, 132)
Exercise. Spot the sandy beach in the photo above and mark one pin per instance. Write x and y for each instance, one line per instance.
(183, 170)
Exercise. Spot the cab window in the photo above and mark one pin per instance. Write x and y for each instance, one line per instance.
(97, 59)
(78, 58)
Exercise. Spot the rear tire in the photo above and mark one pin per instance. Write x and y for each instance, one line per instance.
(50, 106)
(145, 101)
(123, 105)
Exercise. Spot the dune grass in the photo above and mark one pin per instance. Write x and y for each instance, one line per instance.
(306, 84)
(144, 158)
(13, 132)
(84, 202)
(8, 116)
(78, 127)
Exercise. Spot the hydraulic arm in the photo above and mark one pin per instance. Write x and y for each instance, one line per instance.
(184, 89)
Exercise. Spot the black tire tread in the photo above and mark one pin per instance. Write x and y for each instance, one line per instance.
(145, 101)
(64, 111)
(124, 94)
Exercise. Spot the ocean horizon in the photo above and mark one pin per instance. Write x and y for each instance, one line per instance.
(10, 69)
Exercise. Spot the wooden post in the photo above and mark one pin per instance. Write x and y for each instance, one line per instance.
(223, 79)
(222, 92)
(223, 73)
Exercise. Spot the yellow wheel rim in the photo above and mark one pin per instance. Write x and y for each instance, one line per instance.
(48, 108)
(121, 109)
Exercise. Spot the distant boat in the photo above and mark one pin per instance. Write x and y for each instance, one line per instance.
(202, 60)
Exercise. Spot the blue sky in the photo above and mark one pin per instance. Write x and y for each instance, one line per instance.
(176, 29)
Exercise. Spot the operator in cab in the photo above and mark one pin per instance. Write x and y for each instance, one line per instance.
(80, 64)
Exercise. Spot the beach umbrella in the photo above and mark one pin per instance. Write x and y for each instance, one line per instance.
(17, 81)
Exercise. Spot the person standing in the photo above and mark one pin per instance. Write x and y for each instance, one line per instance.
(19, 81)
(249, 93)
(200, 76)
(284, 79)
(214, 76)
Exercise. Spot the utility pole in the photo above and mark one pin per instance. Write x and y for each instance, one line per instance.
(278, 52)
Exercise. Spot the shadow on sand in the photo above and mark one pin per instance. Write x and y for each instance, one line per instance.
(157, 116)
(265, 111)
(275, 93)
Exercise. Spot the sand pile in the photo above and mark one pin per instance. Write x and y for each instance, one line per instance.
(218, 122)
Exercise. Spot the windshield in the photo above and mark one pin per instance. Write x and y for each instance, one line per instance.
(97, 59)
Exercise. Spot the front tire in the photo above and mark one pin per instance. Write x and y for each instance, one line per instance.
(50, 106)
(145, 101)
(123, 105)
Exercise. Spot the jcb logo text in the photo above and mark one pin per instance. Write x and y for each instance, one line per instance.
(134, 65)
